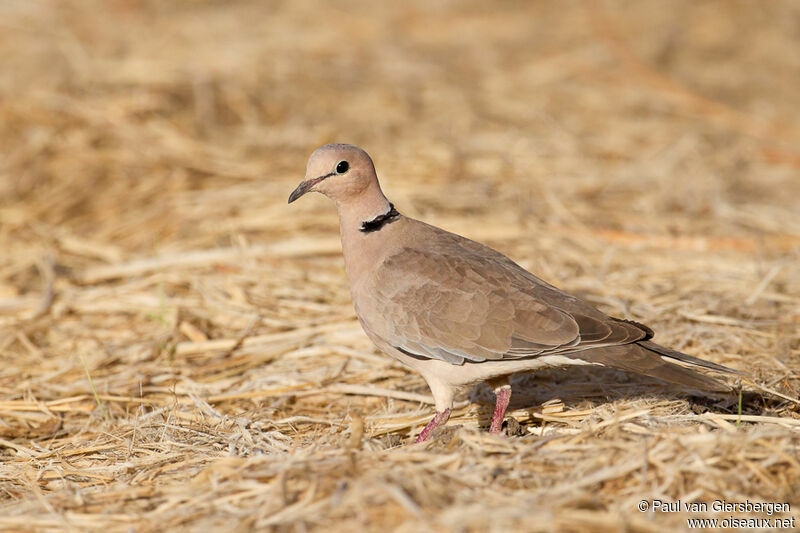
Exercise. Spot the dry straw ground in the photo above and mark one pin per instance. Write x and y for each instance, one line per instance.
(178, 347)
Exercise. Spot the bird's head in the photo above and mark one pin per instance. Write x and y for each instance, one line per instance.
(342, 172)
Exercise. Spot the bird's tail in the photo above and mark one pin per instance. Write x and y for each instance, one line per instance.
(669, 353)
(656, 361)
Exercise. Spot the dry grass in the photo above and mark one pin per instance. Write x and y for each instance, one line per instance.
(178, 347)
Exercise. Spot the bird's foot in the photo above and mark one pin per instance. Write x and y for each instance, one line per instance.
(503, 397)
(436, 421)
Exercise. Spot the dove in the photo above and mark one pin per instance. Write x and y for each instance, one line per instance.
(459, 312)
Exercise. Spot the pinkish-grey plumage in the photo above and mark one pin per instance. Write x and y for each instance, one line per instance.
(459, 312)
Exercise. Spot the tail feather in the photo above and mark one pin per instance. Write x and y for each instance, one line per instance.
(686, 358)
(642, 359)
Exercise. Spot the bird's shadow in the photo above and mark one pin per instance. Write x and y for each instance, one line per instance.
(580, 388)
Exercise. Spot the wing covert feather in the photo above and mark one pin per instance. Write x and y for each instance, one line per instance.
(455, 304)
(458, 300)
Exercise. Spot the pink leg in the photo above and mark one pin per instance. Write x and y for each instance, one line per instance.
(503, 397)
(435, 422)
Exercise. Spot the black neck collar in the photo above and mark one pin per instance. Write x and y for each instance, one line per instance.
(381, 220)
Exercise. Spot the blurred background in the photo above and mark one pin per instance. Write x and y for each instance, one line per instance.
(111, 110)
(643, 154)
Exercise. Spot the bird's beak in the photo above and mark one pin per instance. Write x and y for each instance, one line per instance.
(306, 186)
(301, 189)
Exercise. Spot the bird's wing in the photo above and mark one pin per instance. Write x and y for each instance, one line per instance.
(466, 303)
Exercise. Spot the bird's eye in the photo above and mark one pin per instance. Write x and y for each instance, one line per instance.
(342, 167)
